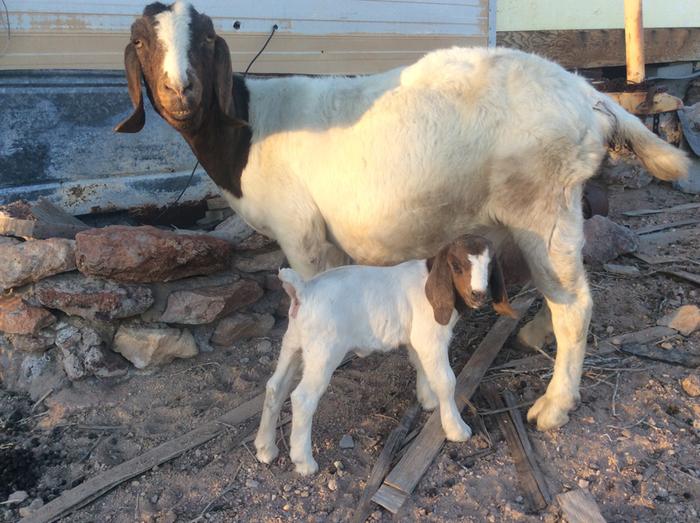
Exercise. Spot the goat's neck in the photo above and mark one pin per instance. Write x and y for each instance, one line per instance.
(222, 149)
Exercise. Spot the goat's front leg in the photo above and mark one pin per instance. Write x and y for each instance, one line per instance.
(305, 244)
(276, 392)
(424, 393)
(432, 351)
(319, 365)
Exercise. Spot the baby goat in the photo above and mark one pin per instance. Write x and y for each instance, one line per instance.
(366, 309)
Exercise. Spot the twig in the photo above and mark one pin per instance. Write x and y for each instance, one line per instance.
(201, 365)
(38, 402)
(90, 451)
(225, 491)
(245, 445)
(614, 396)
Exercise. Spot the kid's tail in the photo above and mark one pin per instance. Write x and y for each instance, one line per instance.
(293, 285)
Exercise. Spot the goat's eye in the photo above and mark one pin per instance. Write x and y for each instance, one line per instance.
(457, 269)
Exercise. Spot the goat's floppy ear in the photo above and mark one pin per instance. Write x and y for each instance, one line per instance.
(498, 291)
(439, 289)
(135, 122)
(223, 83)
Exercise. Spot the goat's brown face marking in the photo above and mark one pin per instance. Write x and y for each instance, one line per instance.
(461, 268)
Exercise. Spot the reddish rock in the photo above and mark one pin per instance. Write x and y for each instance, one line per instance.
(606, 240)
(16, 317)
(685, 319)
(147, 254)
(241, 326)
(35, 260)
(38, 343)
(93, 298)
(207, 304)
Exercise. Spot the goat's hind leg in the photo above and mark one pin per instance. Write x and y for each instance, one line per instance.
(320, 362)
(276, 392)
(557, 270)
(538, 331)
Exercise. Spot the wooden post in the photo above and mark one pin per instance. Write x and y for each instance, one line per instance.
(634, 41)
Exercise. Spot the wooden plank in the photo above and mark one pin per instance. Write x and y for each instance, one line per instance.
(685, 275)
(415, 462)
(673, 356)
(579, 506)
(604, 47)
(636, 102)
(383, 463)
(98, 485)
(533, 495)
(663, 226)
(45, 211)
(675, 208)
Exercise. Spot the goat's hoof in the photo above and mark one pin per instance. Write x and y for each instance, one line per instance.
(306, 468)
(550, 413)
(266, 453)
(460, 433)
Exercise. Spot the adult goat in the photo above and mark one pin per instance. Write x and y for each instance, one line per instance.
(392, 166)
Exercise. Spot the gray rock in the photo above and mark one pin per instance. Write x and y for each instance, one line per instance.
(93, 298)
(268, 261)
(622, 270)
(233, 229)
(16, 497)
(629, 174)
(148, 345)
(240, 326)
(263, 347)
(205, 305)
(85, 352)
(606, 240)
(35, 505)
(346, 442)
(35, 374)
(39, 342)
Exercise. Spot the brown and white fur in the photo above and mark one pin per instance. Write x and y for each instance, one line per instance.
(376, 309)
(390, 167)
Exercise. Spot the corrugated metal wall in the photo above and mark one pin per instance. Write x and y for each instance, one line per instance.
(314, 36)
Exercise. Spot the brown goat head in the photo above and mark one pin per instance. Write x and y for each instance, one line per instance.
(185, 65)
(467, 267)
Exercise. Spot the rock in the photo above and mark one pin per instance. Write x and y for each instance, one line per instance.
(41, 342)
(606, 240)
(162, 291)
(33, 507)
(147, 254)
(17, 317)
(628, 174)
(202, 336)
(685, 319)
(622, 270)
(251, 483)
(35, 260)
(93, 298)
(147, 345)
(240, 326)
(346, 442)
(583, 483)
(332, 484)
(691, 385)
(264, 347)
(233, 229)
(255, 242)
(8, 240)
(85, 352)
(16, 497)
(35, 374)
(268, 261)
(207, 304)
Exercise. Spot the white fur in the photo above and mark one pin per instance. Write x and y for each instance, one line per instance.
(480, 271)
(362, 309)
(173, 31)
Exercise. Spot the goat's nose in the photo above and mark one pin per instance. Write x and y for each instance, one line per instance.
(178, 88)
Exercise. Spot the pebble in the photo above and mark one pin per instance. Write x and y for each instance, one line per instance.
(245, 360)
(346, 442)
(338, 465)
(332, 485)
(583, 483)
(264, 347)
(519, 499)
(667, 345)
(286, 507)
(17, 497)
(287, 488)
(691, 385)
(304, 494)
(376, 515)
(33, 507)
(135, 483)
(154, 499)
(251, 483)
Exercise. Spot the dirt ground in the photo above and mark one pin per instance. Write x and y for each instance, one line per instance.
(634, 441)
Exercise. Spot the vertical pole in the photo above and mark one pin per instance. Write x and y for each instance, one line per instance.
(634, 41)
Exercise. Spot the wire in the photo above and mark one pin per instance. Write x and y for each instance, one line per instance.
(189, 180)
(272, 33)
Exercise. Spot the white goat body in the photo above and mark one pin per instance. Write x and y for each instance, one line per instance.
(361, 309)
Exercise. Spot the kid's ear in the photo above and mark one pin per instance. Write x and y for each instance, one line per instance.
(439, 289)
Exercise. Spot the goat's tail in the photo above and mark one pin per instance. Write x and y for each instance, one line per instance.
(661, 159)
(293, 285)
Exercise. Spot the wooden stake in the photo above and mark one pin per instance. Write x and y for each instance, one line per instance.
(634, 41)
